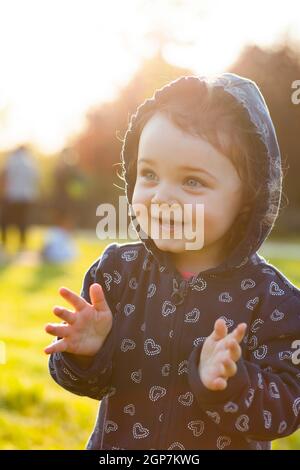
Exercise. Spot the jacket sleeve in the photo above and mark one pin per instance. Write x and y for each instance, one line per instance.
(93, 381)
(262, 400)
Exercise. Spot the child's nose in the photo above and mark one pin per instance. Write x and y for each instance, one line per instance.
(164, 195)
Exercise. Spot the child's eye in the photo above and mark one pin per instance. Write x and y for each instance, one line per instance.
(194, 183)
(148, 175)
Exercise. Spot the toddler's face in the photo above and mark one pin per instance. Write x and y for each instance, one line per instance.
(163, 178)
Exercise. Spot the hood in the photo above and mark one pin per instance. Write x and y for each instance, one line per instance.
(266, 208)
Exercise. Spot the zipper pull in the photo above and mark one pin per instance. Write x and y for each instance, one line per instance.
(180, 290)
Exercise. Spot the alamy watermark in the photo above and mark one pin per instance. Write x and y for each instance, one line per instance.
(296, 94)
(296, 354)
(159, 221)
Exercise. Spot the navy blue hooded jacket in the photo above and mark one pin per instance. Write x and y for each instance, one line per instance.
(146, 373)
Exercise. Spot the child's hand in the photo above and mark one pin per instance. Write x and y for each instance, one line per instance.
(84, 330)
(219, 355)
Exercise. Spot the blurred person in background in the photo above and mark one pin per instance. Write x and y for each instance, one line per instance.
(69, 186)
(59, 246)
(20, 182)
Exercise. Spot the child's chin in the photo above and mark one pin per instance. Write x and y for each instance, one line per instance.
(174, 246)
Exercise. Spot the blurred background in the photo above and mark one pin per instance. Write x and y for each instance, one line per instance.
(72, 72)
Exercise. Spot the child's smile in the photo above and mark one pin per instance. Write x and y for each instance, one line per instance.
(175, 169)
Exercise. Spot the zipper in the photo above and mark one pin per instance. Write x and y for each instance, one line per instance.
(180, 290)
(181, 287)
(173, 361)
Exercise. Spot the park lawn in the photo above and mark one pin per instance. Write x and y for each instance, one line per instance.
(35, 412)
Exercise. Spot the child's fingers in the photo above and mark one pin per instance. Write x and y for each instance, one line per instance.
(219, 384)
(230, 367)
(74, 299)
(97, 297)
(226, 367)
(57, 329)
(57, 346)
(221, 370)
(234, 349)
(65, 314)
(239, 332)
(220, 330)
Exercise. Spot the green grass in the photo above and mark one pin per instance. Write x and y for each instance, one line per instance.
(35, 412)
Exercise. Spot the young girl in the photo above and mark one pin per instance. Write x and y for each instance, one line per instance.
(189, 349)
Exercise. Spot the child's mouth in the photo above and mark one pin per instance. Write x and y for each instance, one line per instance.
(170, 225)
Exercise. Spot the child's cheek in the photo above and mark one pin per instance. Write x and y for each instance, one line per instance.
(140, 207)
(140, 194)
(212, 230)
(216, 224)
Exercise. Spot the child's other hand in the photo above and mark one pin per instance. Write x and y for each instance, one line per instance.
(219, 355)
(84, 330)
